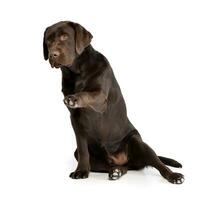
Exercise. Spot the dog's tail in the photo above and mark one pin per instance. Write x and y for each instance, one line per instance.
(170, 162)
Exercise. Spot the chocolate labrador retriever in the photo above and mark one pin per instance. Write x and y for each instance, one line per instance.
(106, 139)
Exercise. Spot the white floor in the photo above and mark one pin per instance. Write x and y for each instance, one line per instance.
(142, 184)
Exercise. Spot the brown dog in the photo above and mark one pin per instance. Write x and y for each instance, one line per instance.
(106, 139)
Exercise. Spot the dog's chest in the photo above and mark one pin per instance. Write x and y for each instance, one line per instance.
(80, 84)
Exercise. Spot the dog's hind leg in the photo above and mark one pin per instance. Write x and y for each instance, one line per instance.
(141, 154)
(117, 162)
(116, 172)
(103, 164)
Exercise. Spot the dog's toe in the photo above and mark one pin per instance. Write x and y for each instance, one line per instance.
(79, 174)
(176, 178)
(71, 101)
(115, 174)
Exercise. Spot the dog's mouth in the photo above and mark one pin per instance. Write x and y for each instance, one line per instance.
(57, 65)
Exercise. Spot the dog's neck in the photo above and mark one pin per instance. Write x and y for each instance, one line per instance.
(80, 63)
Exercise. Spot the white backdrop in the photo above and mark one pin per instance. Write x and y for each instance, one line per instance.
(153, 47)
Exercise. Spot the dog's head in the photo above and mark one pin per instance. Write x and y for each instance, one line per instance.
(63, 42)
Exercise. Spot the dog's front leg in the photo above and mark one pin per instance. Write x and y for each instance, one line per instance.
(96, 100)
(83, 168)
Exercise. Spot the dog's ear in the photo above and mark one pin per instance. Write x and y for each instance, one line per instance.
(45, 49)
(82, 37)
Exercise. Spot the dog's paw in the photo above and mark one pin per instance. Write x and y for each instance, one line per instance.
(176, 178)
(71, 101)
(79, 174)
(115, 174)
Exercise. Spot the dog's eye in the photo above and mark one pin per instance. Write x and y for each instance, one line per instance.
(48, 42)
(64, 37)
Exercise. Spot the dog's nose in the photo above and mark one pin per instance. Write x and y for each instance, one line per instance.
(54, 54)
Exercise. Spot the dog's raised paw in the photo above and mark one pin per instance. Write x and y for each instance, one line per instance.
(71, 101)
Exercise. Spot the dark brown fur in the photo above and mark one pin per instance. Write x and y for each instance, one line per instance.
(106, 139)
